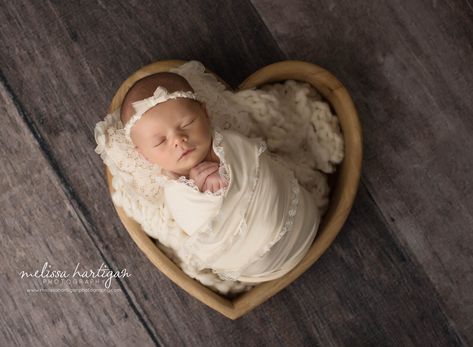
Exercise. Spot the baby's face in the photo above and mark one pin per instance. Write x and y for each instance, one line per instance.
(166, 131)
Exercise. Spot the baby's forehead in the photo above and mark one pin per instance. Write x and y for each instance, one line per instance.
(166, 113)
(181, 104)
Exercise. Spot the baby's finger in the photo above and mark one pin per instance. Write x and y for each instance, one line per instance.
(196, 170)
(207, 187)
(204, 165)
(213, 187)
(208, 171)
(201, 178)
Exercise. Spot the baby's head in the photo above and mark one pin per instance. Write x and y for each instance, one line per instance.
(169, 129)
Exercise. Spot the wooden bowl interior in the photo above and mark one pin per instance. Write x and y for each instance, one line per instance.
(344, 181)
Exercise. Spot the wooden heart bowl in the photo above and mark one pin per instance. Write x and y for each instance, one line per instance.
(344, 184)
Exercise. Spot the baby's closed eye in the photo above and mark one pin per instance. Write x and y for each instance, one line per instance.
(189, 123)
(160, 142)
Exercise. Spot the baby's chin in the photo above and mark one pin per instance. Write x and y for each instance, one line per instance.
(185, 167)
(190, 160)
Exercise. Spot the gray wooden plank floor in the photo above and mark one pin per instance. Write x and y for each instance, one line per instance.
(39, 224)
(409, 67)
(399, 273)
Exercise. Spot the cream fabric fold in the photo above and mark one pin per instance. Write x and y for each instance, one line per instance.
(259, 228)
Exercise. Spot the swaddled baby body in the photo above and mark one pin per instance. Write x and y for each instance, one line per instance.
(245, 214)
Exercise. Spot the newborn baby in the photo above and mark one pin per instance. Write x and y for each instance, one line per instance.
(175, 134)
(245, 214)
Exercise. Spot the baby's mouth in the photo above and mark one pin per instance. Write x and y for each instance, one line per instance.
(186, 152)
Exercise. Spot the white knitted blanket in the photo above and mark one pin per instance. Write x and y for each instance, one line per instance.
(291, 117)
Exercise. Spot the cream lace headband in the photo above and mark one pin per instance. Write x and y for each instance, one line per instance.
(160, 95)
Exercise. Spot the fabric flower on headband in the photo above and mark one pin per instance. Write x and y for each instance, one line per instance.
(159, 96)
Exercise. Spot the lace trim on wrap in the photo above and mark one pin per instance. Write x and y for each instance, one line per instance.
(234, 275)
(289, 221)
(188, 182)
(242, 226)
(224, 172)
(223, 166)
(242, 229)
(222, 169)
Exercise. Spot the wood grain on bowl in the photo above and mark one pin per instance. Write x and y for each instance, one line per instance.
(342, 196)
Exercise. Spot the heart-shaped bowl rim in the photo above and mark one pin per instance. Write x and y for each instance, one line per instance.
(343, 192)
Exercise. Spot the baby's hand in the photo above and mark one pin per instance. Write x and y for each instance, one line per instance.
(214, 182)
(201, 172)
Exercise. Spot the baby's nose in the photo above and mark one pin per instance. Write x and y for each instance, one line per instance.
(180, 139)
